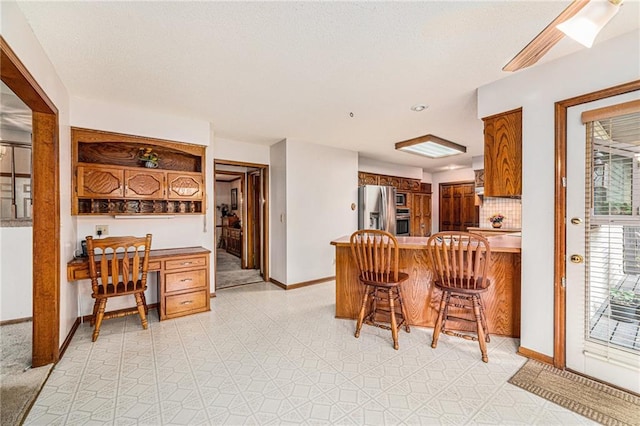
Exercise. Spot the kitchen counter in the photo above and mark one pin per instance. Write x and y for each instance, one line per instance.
(501, 300)
(490, 229)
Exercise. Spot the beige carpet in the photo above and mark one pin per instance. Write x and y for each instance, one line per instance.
(229, 273)
(594, 400)
(19, 384)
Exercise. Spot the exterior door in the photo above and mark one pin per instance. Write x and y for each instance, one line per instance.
(603, 244)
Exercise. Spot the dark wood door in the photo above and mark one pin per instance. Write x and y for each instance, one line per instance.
(457, 206)
(254, 220)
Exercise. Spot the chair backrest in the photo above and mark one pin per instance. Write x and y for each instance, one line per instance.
(460, 259)
(122, 265)
(376, 255)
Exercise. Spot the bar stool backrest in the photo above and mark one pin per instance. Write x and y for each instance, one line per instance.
(376, 254)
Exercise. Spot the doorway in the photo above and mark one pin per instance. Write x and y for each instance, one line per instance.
(45, 204)
(241, 200)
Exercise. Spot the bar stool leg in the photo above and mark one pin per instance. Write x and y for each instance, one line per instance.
(404, 312)
(440, 321)
(480, 328)
(362, 309)
(394, 325)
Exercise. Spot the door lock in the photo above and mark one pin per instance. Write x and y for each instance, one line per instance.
(576, 258)
(576, 221)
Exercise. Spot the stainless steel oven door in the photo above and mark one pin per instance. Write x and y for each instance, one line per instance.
(403, 226)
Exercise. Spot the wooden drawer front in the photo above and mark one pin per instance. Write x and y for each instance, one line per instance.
(178, 281)
(196, 300)
(187, 262)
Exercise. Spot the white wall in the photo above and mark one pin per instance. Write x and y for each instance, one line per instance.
(20, 38)
(382, 168)
(322, 184)
(278, 212)
(457, 175)
(16, 295)
(234, 150)
(536, 90)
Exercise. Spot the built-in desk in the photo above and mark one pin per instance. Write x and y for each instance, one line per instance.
(183, 279)
(501, 300)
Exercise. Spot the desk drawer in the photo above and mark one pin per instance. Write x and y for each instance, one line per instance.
(194, 301)
(177, 281)
(187, 262)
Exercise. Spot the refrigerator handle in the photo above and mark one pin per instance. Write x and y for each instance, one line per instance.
(384, 224)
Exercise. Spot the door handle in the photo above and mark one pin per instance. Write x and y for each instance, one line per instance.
(576, 221)
(576, 258)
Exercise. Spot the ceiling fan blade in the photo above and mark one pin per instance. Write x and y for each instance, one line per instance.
(544, 41)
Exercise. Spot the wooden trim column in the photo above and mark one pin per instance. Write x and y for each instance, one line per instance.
(46, 206)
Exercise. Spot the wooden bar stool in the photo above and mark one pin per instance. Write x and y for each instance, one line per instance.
(460, 263)
(376, 255)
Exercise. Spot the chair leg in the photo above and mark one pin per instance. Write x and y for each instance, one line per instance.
(100, 315)
(404, 312)
(96, 304)
(483, 317)
(140, 304)
(394, 324)
(144, 302)
(480, 328)
(362, 309)
(439, 322)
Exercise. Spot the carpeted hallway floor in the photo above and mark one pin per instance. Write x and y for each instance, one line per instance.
(230, 274)
(19, 384)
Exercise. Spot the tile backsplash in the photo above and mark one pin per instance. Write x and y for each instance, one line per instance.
(509, 207)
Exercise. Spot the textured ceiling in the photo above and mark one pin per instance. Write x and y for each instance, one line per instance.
(265, 71)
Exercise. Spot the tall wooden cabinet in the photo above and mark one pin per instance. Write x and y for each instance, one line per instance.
(457, 206)
(503, 154)
(109, 178)
(420, 215)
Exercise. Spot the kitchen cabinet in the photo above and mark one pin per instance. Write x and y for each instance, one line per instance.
(400, 183)
(420, 215)
(367, 179)
(110, 178)
(457, 206)
(503, 154)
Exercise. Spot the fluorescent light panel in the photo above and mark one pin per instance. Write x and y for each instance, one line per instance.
(431, 146)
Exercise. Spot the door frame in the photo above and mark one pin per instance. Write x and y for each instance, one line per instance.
(559, 304)
(45, 177)
(265, 209)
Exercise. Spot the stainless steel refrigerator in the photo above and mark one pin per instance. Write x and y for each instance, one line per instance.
(377, 208)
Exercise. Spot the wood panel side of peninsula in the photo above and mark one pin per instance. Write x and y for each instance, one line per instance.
(421, 299)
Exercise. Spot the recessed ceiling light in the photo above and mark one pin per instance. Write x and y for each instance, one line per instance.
(419, 107)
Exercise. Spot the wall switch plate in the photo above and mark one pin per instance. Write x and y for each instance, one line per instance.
(102, 230)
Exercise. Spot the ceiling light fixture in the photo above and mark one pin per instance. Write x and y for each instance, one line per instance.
(585, 25)
(431, 146)
(419, 107)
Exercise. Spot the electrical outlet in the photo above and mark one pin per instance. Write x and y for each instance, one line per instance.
(102, 230)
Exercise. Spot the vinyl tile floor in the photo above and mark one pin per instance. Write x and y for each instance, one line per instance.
(268, 356)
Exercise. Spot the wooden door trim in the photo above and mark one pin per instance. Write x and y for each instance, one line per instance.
(559, 292)
(46, 206)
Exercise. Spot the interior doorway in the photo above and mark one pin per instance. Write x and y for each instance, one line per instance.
(241, 199)
(46, 206)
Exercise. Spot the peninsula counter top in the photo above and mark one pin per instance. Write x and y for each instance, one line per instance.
(421, 299)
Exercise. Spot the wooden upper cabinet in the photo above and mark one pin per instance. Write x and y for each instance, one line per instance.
(111, 178)
(367, 179)
(99, 181)
(144, 184)
(185, 186)
(503, 154)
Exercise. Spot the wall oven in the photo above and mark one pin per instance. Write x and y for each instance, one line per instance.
(403, 222)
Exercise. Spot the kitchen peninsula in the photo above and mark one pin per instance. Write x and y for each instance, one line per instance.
(421, 299)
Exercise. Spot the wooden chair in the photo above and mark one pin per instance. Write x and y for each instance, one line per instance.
(460, 263)
(120, 270)
(376, 255)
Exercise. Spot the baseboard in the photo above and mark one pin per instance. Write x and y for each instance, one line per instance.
(301, 284)
(67, 341)
(121, 312)
(528, 353)
(212, 295)
(15, 321)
